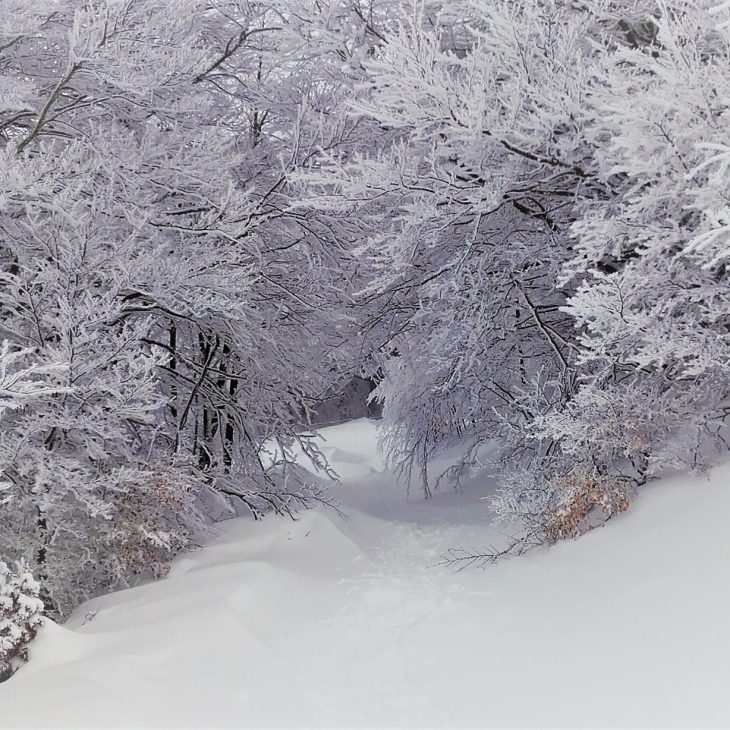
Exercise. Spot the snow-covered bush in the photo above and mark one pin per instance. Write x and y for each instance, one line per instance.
(20, 615)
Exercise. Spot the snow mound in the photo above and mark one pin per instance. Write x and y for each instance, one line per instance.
(333, 622)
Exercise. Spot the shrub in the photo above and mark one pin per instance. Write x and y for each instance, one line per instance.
(585, 499)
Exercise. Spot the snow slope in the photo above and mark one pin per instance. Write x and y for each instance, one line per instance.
(327, 622)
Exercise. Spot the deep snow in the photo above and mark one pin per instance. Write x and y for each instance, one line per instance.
(340, 623)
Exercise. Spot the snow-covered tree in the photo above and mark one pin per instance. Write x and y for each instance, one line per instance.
(544, 211)
(148, 243)
(20, 616)
(469, 208)
(652, 304)
(648, 276)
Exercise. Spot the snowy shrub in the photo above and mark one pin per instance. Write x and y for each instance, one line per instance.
(20, 615)
(581, 494)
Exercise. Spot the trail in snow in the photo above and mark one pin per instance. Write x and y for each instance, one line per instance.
(328, 622)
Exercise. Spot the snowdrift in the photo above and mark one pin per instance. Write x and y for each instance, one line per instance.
(333, 622)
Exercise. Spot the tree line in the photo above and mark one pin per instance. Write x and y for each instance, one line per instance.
(512, 214)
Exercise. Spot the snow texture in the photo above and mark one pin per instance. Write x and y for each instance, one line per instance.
(333, 622)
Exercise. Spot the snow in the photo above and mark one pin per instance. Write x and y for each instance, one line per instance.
(334, 622)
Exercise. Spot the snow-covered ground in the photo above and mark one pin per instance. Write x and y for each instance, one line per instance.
(332, 622)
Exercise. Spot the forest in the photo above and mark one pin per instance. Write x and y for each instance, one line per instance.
(512, 217)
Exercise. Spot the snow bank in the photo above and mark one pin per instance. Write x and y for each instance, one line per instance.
(332, 622)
